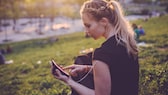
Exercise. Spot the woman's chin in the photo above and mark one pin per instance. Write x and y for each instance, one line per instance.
(95, 38)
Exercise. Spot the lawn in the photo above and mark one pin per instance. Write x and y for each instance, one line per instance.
(30, 72)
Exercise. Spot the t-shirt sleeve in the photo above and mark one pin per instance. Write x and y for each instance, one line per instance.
(102, 55)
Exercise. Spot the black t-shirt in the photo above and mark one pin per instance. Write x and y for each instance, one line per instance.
(124, 69)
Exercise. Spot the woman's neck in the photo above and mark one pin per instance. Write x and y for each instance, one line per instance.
(110, 35)
(109, 32)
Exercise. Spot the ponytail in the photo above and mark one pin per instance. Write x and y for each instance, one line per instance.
(123, 30)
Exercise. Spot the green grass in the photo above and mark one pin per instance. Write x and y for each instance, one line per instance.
(26, 77)
(154, 59)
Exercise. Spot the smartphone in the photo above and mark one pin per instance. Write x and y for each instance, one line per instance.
(55, 66)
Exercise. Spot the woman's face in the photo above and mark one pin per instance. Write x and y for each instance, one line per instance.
(92, 27)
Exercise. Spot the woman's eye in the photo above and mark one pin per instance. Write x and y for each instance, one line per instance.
(86, 25)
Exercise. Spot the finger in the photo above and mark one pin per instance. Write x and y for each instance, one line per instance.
(54, 72)
(69, 67)
(58, 72)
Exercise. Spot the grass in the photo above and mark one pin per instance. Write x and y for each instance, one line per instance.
(27, 76)
(154, 59)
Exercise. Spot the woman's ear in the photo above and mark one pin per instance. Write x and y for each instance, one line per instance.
(104, 21)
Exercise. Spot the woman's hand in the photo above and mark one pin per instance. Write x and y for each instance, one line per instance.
(57, 74)
(74, 70)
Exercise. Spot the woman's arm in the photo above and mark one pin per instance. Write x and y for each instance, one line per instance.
(102, 78)
(82, 90)
(74, 70)
(102, 81)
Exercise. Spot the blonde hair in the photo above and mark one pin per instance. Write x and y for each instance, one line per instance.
(112, 10)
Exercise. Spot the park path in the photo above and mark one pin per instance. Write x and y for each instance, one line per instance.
(25, 30)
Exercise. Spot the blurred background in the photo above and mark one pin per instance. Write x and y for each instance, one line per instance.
(15, 9)
(34, 31)
(27, 18)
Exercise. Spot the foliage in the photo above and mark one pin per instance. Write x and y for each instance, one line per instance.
(153, 59)
(51, 8)
(30, 72)
(34, 8)
(150, 1)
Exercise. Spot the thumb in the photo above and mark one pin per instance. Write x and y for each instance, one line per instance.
(73, 72)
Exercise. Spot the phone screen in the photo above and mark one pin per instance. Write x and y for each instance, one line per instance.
(55, 66)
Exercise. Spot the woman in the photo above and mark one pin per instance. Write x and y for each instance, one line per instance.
(115, 63)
